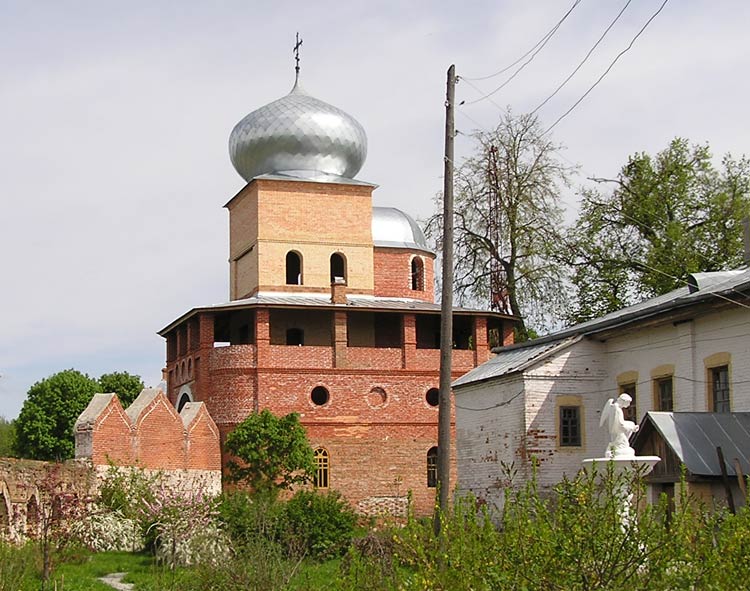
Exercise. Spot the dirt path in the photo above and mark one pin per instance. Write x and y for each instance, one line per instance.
(114, 580)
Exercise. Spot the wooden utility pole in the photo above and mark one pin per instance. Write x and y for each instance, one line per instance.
(446, 309)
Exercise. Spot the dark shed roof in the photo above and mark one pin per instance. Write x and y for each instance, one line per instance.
(694, 437)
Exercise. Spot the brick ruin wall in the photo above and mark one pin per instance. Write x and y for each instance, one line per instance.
(180, 451)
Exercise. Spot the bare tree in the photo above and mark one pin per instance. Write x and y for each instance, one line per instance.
(508, 225)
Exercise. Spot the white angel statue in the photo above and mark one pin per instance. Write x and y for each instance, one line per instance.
(620, 430)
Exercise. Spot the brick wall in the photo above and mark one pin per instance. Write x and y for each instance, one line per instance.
(23, 490)
(150, 434)
(392, 268)
(272, 217)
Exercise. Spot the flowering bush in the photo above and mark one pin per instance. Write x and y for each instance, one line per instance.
(182, 528)
(103, 530)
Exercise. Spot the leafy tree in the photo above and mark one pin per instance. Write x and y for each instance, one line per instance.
(7, 435)
(273, 451)
(508, 223)
(126, 386)
(44, 428)
(666, 217)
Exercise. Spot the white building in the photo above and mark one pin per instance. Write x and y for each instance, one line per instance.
(688, 350)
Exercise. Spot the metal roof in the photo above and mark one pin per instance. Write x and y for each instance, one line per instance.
(512, 361)
(694, 437)
(703, 286)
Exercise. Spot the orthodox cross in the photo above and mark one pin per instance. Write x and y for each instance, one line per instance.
(297, 45)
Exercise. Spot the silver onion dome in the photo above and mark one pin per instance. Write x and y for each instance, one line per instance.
(392, 228)
(299, 135)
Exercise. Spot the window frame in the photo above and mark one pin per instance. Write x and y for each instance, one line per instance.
(572, 423)
(322, 476)
(659, 384)
(432, 461)
(726, 400)
(566, 402)
(713, 364)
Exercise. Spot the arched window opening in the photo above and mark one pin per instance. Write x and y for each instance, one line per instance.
(322, 468)
(295, 336)
(184, 399)
(319, 395)
(293, 268)
(432, 459)
(32, 517)
(4, 517)
(338, 266)
(417, 274)
(432, 397)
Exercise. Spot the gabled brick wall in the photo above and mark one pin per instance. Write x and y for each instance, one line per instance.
(149, 434)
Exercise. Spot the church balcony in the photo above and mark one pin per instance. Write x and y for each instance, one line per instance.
(462, 359)
(374, 357)
(233, 357)
(300, 357)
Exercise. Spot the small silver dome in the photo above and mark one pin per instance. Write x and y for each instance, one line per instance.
(300, 135)
(393, 228)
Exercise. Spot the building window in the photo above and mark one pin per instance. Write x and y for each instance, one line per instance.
(293, 268)
(295, 336)
(432, 459)
(338, 266)
(630, 413)
(322, 468)
(319, 395)
(417, 274)
(664, 395)
(433, 397)
(720, 388)
(570, 426)
(184, 399)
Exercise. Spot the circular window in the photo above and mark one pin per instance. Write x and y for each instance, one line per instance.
(432, 397)
(319, 395)
(376, 397)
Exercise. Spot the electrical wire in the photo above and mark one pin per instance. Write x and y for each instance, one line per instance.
(544, 39)
(522, 66)
(611, 65)
(585, 59)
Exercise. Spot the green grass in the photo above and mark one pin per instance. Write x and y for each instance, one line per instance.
(83, 573)
(315, 576)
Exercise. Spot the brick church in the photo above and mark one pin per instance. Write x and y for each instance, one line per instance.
(331, 312)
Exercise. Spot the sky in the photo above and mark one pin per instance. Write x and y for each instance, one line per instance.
(115, 117)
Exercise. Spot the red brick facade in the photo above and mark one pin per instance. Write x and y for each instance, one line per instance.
(368, 349)
(149, 434)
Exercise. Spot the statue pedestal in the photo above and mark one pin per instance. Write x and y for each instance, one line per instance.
(640, 465)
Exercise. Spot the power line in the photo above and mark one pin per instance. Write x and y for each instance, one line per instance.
(544, 39)
(619, 55)
(526, 63)
(585, 59)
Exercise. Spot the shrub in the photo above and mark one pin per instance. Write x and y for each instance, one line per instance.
(19, 566)
(246, 517)
(318, 524)
(103, 530)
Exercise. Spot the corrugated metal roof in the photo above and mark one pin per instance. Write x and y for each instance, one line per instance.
(324, 301)
(726, 284)
(694, 437)
(511, 361)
